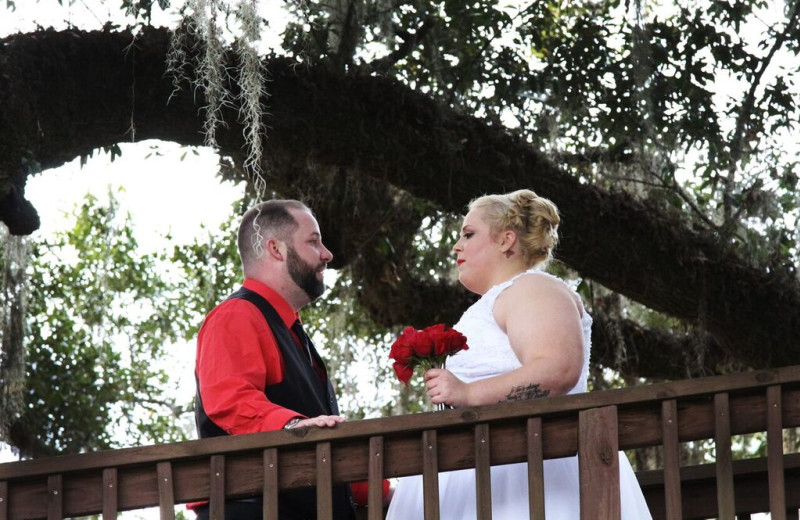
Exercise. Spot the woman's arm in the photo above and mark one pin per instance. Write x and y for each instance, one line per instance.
(542, 319)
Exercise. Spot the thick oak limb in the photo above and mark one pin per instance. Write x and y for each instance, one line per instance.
(639, 352)
(66, 93)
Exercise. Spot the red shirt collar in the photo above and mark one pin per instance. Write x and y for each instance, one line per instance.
(285, 311)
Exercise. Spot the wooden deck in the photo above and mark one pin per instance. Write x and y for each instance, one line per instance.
(592, 425)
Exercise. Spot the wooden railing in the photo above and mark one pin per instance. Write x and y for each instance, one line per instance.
(593, 425)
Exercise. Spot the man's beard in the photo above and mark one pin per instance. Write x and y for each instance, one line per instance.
(305, 275)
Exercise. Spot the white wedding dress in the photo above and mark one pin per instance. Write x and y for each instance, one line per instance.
(490, 354)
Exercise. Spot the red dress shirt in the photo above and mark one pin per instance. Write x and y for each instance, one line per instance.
(237, 358)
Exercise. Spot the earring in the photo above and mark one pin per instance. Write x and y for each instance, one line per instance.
(509, 253)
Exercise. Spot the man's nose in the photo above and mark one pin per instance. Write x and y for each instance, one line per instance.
(326, 255)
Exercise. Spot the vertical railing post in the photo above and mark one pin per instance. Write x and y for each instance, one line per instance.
(672, 475)
(375, 479)
(166, 493)
(430, 475)
(270, 489)
(110, 494)
(598, 460)
(216, 484)
(483, 473)
(535, 467)
(726, 506)
(3, 500)
(777, 484)
(324, 482)
(55, 498)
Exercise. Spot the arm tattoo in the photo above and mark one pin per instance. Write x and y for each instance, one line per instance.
(521, 393)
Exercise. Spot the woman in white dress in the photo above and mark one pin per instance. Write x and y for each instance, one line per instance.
(529, 337)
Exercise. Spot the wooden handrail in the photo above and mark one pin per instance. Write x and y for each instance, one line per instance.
(238, 466)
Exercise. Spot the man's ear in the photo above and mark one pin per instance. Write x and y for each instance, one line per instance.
(276, 249)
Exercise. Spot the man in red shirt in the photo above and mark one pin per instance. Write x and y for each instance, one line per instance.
(256, 369)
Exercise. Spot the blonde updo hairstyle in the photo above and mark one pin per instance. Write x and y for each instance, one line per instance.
(534, 219)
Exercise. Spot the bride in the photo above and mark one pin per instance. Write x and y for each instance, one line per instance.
(529, 337)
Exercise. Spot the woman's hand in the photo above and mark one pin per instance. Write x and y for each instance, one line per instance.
(445, 388)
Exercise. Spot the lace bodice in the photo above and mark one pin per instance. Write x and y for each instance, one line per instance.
(489, 352)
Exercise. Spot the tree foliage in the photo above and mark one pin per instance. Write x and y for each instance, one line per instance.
(99, 315)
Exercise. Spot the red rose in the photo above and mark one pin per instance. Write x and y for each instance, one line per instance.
(402, 349)
(404, 372)
(422, 344)
(447, 341)
(411, 343)
(428, 348)
(440, 338)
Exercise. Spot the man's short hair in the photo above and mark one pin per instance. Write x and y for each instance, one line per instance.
(265, 220)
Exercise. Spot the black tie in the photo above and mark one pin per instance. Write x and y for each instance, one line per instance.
(305, 341)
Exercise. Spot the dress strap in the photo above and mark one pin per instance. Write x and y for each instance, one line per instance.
(532, 270)
(491, 295)
(505, 285)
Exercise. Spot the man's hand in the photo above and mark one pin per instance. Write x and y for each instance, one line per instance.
(321, 421)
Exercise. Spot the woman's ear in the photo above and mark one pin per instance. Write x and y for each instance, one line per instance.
(508, 239)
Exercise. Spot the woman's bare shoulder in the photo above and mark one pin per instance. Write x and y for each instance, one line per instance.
(538, 280)
(538, 286)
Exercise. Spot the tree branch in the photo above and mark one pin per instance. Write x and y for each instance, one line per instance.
(638, 352)
(410, 42)
(747, 108)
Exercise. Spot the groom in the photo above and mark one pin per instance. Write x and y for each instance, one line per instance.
(256, 368)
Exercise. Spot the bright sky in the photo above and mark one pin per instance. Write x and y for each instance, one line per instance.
(165, 187)
(28, 15)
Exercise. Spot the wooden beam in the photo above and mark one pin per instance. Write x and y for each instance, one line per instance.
(324, 481)
(110, 494)
(724, 463)
(535, 467)
(375, 484)
(483, 474)
(217, 479)
(777, 486)
(430, 474)
(672, 477)
(598, 460)
(271, 485)
(3, 500)
(166, 495)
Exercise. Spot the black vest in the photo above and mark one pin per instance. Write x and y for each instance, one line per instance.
(300, 390)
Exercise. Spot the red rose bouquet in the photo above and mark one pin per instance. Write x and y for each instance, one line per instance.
(427, 348)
